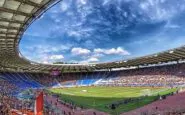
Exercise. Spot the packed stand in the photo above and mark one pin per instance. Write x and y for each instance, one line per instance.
(161, 76)
(8, 99)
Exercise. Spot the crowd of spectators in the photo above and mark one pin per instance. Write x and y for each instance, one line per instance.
(6, 88)
(161, 76)
(7, 99)
(51, 80)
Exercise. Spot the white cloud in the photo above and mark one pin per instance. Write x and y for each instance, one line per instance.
(89, 60)
(48, 59)
(159, 10)
(99, 50)
(46, 53)
(80, 51)
(172, 26)
(56, 57)
(45, 62)
(77, 32)
(93, 59)
(116, 51)
(97, 55)
(105, 2)
(74, 33)
(42, 49)
(65, 5)
(83, 1)
(57, 20)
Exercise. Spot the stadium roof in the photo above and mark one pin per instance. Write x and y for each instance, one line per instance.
(168, 56)
(15, 18)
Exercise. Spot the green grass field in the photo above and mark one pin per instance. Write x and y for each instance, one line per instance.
(99, 97)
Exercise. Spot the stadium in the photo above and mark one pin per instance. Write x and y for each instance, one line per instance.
(152, 84)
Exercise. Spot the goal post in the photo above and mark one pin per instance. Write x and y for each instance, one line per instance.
(146, 92)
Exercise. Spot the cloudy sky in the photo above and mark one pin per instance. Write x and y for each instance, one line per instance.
(92, 31)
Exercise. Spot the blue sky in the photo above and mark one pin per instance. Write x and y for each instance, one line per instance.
(93, 31)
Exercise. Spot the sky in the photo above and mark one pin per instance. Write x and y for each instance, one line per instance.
(98, 31)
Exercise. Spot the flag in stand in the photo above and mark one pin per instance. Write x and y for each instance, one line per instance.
(39, 103)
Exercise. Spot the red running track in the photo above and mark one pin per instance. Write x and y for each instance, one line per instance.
(78, 111)
(161, 107)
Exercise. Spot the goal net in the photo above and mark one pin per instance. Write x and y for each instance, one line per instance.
(146, 92)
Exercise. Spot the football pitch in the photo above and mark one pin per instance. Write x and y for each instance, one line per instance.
(100, 98)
